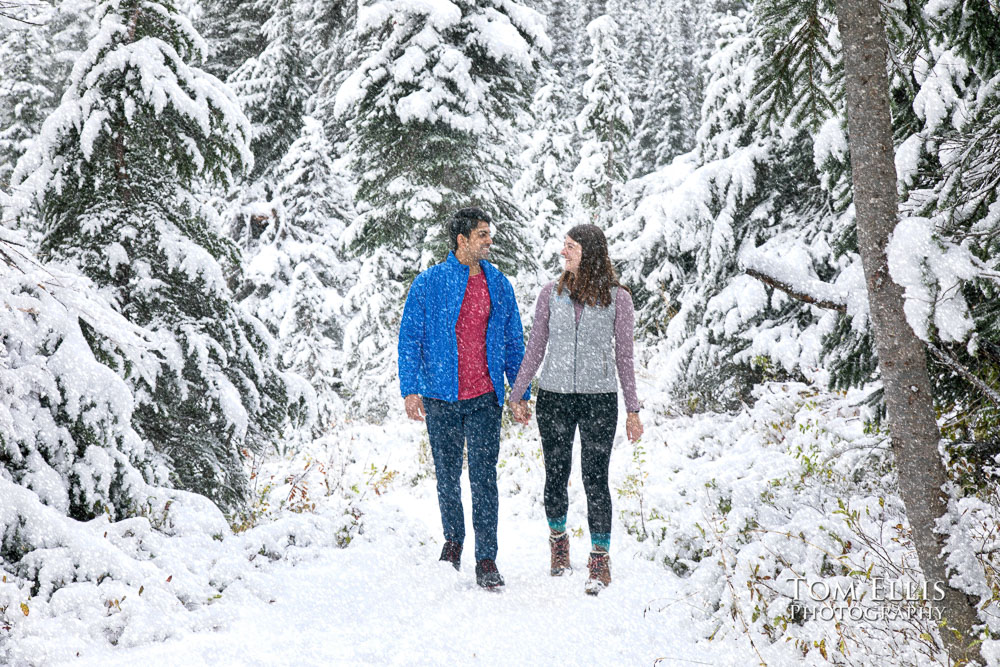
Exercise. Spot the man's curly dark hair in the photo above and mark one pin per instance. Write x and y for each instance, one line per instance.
(463, 221)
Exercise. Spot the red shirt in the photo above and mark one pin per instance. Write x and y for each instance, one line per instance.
(470, 330)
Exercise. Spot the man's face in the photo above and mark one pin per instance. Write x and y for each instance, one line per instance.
(477, 245)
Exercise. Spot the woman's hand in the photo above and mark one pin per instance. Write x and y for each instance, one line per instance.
(522, 413)
(633, 426)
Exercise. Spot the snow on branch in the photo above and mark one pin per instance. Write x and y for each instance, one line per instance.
(73, 296)
(791, 272)
(932, 270)
(14, 14)
(796, 294)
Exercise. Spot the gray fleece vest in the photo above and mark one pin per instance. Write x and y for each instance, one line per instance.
(580, 358)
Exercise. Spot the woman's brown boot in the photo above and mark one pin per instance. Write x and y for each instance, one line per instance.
(559, 544)
(599, 566)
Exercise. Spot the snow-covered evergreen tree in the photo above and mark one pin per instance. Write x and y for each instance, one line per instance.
(65, 417)
(328, 38)
(430, 109)
(371, 335)
(233, 30)
(70, 30)
(325, 23)
(25, 94)
(298, 275)
(112, 173)
(646, 92)
(940, 70)
(744, 194)
(666, 91)
(562, 29)
(605, 124)
(273, 88)
(946, 117)
(582, 14)
(544, 188)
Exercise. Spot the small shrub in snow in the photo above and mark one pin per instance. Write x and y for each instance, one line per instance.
(174, 566)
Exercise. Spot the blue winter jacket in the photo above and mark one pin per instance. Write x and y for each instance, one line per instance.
(428, 349)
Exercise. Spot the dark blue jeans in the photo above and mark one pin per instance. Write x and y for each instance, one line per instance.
(450, 426)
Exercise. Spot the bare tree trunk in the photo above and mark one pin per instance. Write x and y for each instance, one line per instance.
(902, 363)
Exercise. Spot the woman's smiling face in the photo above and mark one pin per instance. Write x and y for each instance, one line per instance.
(572, 252)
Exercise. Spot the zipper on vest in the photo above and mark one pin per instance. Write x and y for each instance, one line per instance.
(576, 352)
(576, 344)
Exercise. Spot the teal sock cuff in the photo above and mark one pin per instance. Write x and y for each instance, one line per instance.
(558, 525)
(601, 541)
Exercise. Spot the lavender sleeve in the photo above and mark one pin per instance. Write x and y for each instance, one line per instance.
(624, 331)
(537, 342)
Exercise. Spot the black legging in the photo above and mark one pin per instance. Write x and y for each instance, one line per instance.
(558, 417)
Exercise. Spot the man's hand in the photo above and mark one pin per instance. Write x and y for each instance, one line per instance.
(415, 407)
(522, 413)
(633, 426)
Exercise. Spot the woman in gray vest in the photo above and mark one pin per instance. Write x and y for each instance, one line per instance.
(583, 330)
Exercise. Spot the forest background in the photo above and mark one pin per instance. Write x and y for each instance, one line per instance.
(212, 210)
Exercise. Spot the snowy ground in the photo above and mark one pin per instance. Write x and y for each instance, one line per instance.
(386, 600)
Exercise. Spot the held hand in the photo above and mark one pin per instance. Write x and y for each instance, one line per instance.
(522, 413)
(515, 408)
(414, 407)
(633, 426)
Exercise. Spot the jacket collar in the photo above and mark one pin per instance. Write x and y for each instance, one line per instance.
(453, 263)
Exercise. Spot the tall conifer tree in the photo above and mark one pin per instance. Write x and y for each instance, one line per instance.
(233, 32)
(26, 94)
(605, 124)
(544, 188)
(297, 278)
(113, 172)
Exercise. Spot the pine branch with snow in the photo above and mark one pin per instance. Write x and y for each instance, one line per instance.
(800, 81)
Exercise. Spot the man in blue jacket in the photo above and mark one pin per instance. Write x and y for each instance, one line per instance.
(460, 334)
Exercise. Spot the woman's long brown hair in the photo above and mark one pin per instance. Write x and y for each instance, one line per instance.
(595, 276)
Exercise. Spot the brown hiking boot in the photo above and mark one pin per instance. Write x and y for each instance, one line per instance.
(600, 572)
(560, 554)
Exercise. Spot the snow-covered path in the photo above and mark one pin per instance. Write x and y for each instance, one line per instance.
(385, 600)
